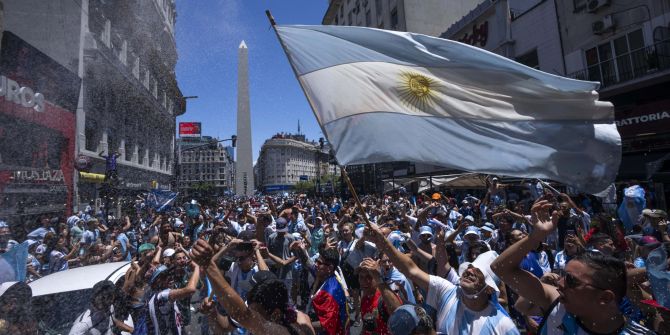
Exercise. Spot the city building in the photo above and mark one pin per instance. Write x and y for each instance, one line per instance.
(427, 17)
(130, 97)
(39, 92)
(86, 79)
(625, 45)
(287, 159)
(204, 166)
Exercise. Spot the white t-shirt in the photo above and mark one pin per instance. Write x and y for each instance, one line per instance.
(93, 323)
(356, 255)
(453, 317)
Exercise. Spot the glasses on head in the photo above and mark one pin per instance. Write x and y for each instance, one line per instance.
(572, 282)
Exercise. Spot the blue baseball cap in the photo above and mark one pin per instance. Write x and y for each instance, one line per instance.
(281, 225)
(425, 230)
(404, 320)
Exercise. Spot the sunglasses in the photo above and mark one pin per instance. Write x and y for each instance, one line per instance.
(572, 282)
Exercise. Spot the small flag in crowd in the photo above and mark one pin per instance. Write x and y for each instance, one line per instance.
(160, 200)
(384, 96)
(13, 263)
(631, 207)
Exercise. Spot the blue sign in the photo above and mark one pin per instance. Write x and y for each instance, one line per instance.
(275, 188)
(304, 177)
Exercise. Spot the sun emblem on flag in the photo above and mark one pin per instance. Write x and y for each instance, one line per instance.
(417, 90)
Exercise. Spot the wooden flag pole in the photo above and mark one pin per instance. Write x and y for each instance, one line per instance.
(355, 195)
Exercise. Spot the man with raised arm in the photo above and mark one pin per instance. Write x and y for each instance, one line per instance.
(587, 297)
(470, 307)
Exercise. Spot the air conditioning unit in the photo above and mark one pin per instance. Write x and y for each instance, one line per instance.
(603, 25)
(594, 5)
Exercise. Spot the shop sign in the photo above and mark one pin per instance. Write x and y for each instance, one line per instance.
(644, 119)
(21, 95)
(38, 176)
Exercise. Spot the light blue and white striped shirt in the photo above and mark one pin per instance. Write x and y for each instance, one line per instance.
(453, 317)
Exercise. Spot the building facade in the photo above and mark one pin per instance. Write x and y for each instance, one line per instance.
(526, 31)
(625, 45)
(130, 97)
(86, 79)
(428, 17)
(204, 166)
(39, 91)
(286, 159)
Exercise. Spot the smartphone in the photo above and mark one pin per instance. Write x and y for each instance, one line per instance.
(570, 232)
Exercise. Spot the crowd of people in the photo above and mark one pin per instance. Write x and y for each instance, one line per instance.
(436, 263)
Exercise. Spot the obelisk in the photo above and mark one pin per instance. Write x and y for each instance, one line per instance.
(244, 168)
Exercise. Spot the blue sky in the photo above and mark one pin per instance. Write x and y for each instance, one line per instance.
(208, 35)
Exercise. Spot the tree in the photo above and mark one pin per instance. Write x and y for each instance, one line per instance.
(304, 186)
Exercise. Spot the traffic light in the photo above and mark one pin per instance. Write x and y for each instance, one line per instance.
(321, 142)
(234, 140)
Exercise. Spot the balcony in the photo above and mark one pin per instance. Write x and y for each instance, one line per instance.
(636, 64)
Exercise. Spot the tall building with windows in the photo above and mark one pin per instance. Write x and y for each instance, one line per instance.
(286, 159)
(625, 45)
(130, 97)
(204, 166)
(427, 17)
(102, 76)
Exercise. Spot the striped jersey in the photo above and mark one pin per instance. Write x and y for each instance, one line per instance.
(454, 318)
(559, 321)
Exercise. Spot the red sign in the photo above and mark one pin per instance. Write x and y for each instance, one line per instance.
(189, 129)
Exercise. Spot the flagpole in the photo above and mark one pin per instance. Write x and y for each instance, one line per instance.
(354, 194)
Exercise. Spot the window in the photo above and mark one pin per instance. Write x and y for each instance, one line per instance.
(378, 7)
(368, 19)
(529, 59)
(92, 135)
(394, 19)
(618, 60)
(349, 20)
(128, 151)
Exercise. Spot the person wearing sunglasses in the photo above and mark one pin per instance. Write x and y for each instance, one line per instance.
(588, 294)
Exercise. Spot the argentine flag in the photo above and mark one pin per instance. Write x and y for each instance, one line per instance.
(384, 96)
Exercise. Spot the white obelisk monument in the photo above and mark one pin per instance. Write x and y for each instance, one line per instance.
(244, 167)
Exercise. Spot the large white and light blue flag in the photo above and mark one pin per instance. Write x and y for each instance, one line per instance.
(393, 96)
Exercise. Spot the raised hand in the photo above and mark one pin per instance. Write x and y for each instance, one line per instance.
(541, 217)
(373, 234)
(202, 253)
